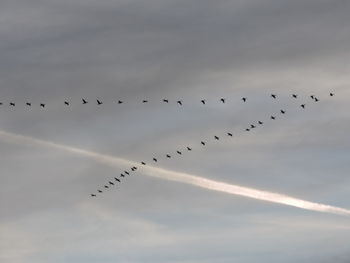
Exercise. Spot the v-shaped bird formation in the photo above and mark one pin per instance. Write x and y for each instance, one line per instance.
(202, 143)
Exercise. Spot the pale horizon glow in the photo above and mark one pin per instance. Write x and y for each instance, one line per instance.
(180, 177)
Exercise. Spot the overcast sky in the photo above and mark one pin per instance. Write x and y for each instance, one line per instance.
(57, 50)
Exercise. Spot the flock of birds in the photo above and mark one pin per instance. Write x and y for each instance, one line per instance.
(116, 180)
(179, 102)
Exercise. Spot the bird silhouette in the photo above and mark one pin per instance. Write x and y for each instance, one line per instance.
(99, 191)
(165, 100)
(273, 117)
(283, 111)
(179, 152)
(312, 96)
(189, 149)
(42, 105)
(216, 137)
(273, 96)
(294, 96)
(143, 163)
(144, 101)
(229, 134)
(84, 101)
(168, 156)
(223, 100)
(203, 102)
(115, 178)
(316, 99)
(120, 101)
(93, 195)
(244, 99)
(126, 172)
(203, 143)
(111, 183)
(0, 103)
(135, 168)
(303, 106)
(67, 103)
(331, 94)
(106, 186)
(247, 129)
(122, 175)
(12, 104)
(179, 102)
(252, 126)
(28, 104)
(260, 122)
(99, 102)
(155, 160)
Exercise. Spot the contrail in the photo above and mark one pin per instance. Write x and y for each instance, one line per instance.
(180, 177)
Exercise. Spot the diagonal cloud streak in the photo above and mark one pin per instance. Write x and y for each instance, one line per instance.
(180, 177)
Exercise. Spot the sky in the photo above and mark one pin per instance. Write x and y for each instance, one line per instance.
(130, 50)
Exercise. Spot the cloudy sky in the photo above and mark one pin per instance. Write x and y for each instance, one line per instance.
(52, 51)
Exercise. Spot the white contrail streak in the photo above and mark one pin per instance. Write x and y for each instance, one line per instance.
(180, 177)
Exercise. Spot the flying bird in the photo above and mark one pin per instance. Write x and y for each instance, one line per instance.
(179, 102)
(143, 163)
(244, 99)
(216, 137)
(155, 159)
(99, 191)
(126, 172)
(42, 105)
(260, 122)
(283, 111)
(12, 104)
(165, 100)
(144, 101)
(203, 102)
(120, 101)
(203, 143)
(252, 126)
(316, 99)
(122, 175)
(93, 195)
(273, 117)
(99, 102)
(111, 183)
(168, 156)
(115, 178)
(294, 96)
(303, 106)
(84, 101)
(135, 168)
(179, 152)
(222, 100)
(67, 103)
(229, 134)
(312, 96)
(189, 149)
(331, 94)
(247, 129)
(28, 104)
(273, 96)
(106, 186)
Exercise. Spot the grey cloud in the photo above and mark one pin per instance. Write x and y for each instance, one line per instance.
(56, 50)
